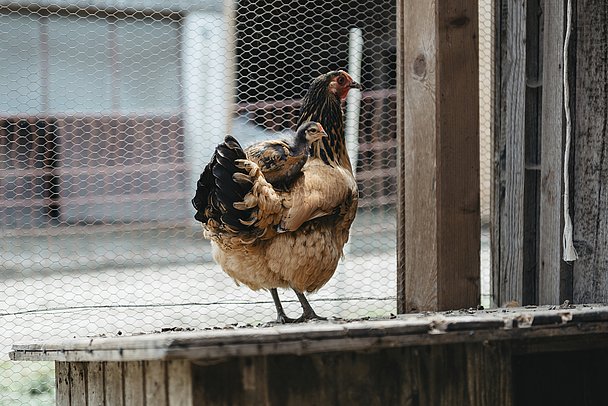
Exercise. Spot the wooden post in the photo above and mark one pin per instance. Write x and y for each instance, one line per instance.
(591, 154)
(439, 120)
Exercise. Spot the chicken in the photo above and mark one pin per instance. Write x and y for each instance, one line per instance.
(268, 238)
(281, 161)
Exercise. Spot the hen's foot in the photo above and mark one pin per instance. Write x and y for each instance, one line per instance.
(281, 316)
(308, 316)
(309, 313)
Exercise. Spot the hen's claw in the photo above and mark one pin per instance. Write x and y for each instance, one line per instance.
(309, 313)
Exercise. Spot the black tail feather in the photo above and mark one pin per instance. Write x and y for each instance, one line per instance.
(217, 190)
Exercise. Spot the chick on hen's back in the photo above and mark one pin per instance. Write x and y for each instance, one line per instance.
(281, 161)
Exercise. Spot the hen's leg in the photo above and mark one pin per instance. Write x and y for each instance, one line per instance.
(309, 313)
(281, 316)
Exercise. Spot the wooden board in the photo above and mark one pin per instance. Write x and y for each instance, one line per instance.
(95, 384)
(458, 374)
(134, 383)
(179, 386)
(419, 156)
(591, 153)
(114, 384)
(438, 63)
(552, 269)
(509, 152)
(62, 383)
(406, 330)
(155, 383)
(78, 386)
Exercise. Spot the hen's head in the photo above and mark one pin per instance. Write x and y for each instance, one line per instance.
(337, 82)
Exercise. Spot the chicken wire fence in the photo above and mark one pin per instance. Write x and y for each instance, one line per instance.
(108, 113)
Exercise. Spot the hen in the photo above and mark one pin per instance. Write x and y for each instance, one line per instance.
(268, 238)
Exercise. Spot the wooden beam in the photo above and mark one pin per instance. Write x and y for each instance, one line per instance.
(552, 269)
(591, 153)
(439, 81)
(509, 152)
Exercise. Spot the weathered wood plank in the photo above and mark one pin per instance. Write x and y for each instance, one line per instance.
(591, 154)
(78, 384)
(551, 268)
(460, 374)
(532, 151)
(457, 180)
(114, 384)
(179, 383)
(401, 196)
(62, 383)
(155, 375)
(95, 384)
(405, 330)
(489, 366)
(507, 256)
(134, 383)
(441, 142)
(420, 156)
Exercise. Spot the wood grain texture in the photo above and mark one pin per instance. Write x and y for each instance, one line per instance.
(179, 383)
(155, 373)
(62, 383)
(551, 267)
(509, 151)
(401, 196)
(78, 384)
(459, 374)
(457, 97)
(133, 377)
(590, 220)
(532, 153)
(406, 330)
(441, 220)
(420, 156)
(114, 384)
(95, 384)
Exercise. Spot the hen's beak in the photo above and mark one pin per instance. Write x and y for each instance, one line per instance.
(355, 85)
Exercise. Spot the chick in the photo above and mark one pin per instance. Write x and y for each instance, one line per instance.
(281, 161)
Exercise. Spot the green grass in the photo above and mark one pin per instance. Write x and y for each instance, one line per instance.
(27, 383)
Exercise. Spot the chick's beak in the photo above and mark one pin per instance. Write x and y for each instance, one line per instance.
(355, 85)
(322, 132)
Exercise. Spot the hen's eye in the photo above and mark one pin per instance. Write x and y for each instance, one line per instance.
(341, 80)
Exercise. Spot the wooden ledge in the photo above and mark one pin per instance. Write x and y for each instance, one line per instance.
(529, 326)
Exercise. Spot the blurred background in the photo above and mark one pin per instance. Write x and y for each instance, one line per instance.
(109, 111)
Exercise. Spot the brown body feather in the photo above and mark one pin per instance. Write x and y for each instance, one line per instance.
(319, 208)
(294, 237)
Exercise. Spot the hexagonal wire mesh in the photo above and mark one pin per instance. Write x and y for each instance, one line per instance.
(108, 113)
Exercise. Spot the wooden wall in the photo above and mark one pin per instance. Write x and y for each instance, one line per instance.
(590, 172)
(529, 149)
